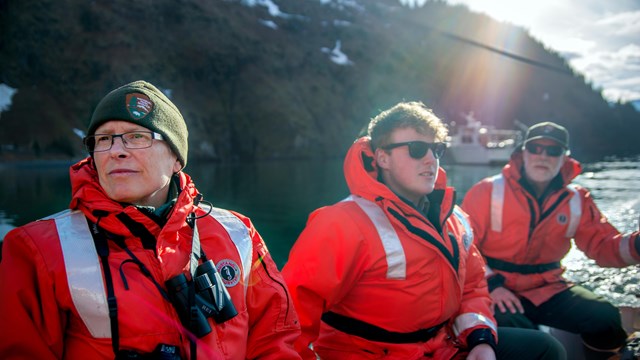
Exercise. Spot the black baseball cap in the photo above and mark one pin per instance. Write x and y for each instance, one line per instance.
(548, 130)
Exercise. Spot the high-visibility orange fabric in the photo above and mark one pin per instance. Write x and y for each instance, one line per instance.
(39, 319)
(536, 234)
(339, 264)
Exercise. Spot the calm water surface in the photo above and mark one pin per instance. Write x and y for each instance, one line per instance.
(279, 195)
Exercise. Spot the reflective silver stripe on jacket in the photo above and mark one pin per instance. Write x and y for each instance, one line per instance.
(239, 234)
(467, 237)
(396, 259)
(625, 251)
(497, 205)
(575, 206)
(497, 202)
(468, 320)
(84, 273)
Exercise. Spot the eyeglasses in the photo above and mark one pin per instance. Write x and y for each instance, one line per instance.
(130, 140)
(551, 150)
(418, 149)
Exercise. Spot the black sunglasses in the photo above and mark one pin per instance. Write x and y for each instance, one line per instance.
(418, 149)
(551, 150)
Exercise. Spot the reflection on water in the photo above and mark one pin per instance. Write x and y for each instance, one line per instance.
(5, 224)
(30, 192)
(279, 195)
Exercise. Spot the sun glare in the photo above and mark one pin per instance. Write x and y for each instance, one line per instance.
(504, 10)
(588, 34)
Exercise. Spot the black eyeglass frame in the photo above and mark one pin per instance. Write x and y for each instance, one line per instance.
(91, 147)
(550, 150)
(418, 149)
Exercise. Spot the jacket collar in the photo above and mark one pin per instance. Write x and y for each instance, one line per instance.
(361, 173)
(89, 197)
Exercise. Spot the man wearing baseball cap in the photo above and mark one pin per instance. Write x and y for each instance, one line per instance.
(524, 219)
(140, 266)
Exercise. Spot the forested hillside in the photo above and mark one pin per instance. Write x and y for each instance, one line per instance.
(256, 83)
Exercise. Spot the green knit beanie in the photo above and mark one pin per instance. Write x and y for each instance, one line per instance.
(142, 103)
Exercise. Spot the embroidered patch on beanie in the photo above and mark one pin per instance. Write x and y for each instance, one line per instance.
(139, 105)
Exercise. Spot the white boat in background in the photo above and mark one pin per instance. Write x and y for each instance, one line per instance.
(479, 144)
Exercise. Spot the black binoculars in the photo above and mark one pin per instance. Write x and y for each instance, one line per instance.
(212, 300)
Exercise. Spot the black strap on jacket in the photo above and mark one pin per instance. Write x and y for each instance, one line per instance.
(521, 268)
(371, 332)
(102, 248)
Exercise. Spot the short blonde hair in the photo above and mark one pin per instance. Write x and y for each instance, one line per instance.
(412, 114)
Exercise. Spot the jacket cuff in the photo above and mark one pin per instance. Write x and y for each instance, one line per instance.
(495, 281)
(481, 336)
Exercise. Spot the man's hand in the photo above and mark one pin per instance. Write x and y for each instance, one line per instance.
(505, 299)
(482, 352)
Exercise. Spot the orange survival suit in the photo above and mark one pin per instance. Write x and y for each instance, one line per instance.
(390, 282)
(524, 241)
(53, 299)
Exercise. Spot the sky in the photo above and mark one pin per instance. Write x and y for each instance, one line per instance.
(599, 38)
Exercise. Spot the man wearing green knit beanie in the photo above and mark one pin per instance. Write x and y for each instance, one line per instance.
(142, 103)
(141, 265)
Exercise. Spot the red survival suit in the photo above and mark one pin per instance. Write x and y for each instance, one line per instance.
(52, 304)
(374, 258)
(528, 239)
